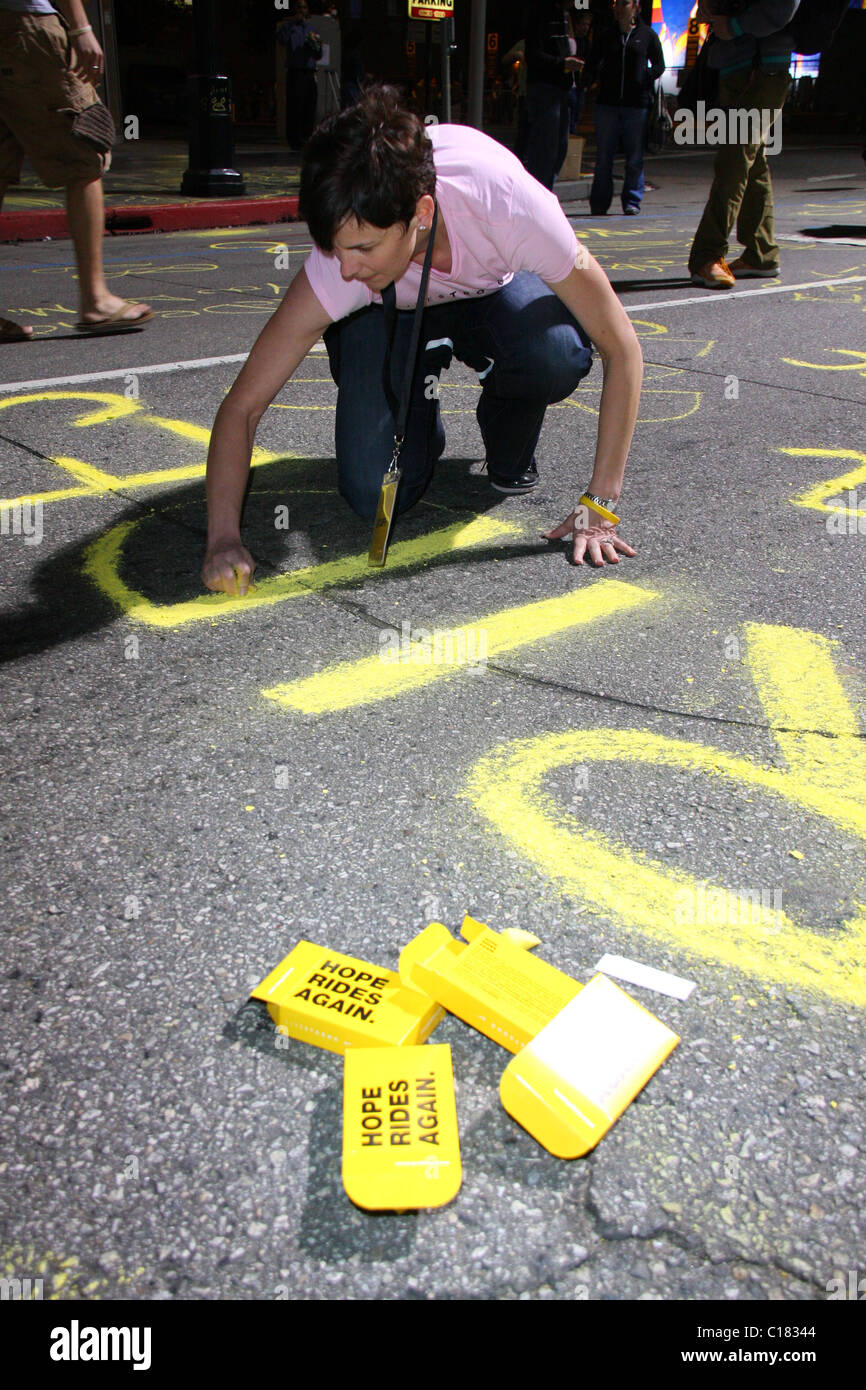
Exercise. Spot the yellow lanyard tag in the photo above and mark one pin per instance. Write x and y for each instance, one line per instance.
(401, 1149)
(569, 1085)
(491, 983)
(384, 517)
(337, 1002)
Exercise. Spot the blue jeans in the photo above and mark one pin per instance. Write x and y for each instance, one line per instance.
(547, 140)
(524, 344)
(613, 123)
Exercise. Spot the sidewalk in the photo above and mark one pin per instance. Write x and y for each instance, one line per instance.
(142, 188)
(142, 193)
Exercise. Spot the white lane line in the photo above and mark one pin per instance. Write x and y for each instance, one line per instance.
(193, 364)
(725, 296)
(197, 363)
(827, 178)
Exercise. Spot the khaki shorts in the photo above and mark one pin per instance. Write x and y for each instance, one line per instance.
(38, 89)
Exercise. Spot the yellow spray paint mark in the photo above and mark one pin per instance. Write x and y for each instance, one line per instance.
(859, 366)
(62, 1276)
(104, 556)
(96, 482)
(816, 496)
(114, 406)
(651, 401)
(826, 776)
(446, 652)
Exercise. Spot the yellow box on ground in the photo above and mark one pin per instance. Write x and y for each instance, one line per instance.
(338, 1002)
(401, 1149)
(491, 983)
(571, 1082)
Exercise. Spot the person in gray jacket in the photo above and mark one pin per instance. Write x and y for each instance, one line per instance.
(753, 55)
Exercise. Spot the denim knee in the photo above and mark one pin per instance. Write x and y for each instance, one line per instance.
(361, 496)
(570, 363)
(550, 372)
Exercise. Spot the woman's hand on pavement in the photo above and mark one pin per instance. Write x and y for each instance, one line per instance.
(228, 568)
(599, 541)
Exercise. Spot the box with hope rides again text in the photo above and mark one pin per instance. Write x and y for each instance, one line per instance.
(337, 1002)
(488, 979)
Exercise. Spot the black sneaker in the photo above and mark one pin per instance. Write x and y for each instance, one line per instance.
(525, 482)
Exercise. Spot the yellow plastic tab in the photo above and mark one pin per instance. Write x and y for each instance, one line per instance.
(570, 1084)
(491, 983)
(401, 1149)
(518, 937)
(338, 1002)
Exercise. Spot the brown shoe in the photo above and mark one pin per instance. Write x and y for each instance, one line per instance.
(716, 275)
(743, 270)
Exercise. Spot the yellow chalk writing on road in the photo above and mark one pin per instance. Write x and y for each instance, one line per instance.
(825, 775)
(96, 482)
(103, 560)
(816, 496)
(858, 366)
(352, 683)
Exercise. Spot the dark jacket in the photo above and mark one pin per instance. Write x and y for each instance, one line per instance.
(759, 37)
(626, 65)
(546, 45)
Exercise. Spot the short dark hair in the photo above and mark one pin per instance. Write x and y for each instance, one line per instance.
(371, 162)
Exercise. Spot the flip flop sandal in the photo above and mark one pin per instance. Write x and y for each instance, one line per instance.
(11, 332)
(114, 323)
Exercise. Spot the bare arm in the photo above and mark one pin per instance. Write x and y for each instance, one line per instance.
(587, 293)
(278, 351)
(88, 56)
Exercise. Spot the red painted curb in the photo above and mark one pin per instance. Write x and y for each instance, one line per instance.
(156, 217)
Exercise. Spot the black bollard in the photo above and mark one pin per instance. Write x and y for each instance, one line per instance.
(211, 136)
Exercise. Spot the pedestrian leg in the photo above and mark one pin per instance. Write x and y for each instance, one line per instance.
(606, 139)
(633, 121)
(731, 170)
(85, 212)
(543, 110)
(562, 145)
(755, 221)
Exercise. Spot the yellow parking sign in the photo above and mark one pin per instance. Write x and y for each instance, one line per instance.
(431, 9)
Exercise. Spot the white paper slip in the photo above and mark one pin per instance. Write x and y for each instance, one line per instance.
(636, 974)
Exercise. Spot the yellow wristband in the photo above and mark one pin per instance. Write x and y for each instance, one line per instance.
(602, 511)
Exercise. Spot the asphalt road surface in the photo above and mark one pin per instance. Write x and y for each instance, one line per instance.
(641, 755)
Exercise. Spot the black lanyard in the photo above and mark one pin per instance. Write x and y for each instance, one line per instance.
(400, 409)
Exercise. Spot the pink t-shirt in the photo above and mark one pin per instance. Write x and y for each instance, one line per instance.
(499, 220)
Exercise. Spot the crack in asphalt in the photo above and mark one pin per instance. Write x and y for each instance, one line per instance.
(358, 610)
(752, 381)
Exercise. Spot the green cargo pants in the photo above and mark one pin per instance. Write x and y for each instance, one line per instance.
(742, 191)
